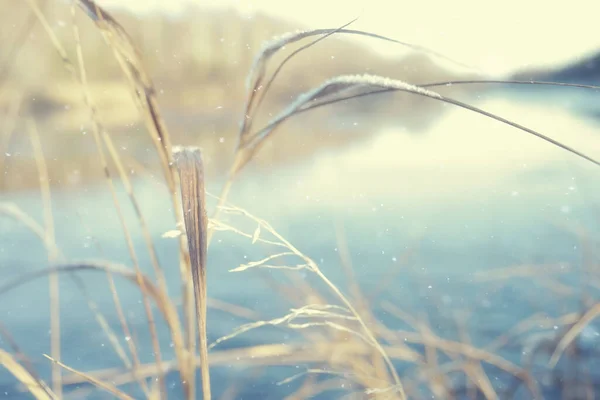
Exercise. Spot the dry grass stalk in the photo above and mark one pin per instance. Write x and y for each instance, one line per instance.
(7, 127)
(23, 376)
(52, 255)
(309, 264)
(573, 332)
(144, 93)
(17, 214)
(191, 174)
(102, 385)
(97, 129)
(264, 355)
(149, 290)
(8, 61)
(24, 360)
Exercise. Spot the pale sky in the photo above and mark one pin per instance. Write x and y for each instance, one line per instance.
(494, 36)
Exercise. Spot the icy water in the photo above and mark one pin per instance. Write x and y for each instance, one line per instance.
(425, 217)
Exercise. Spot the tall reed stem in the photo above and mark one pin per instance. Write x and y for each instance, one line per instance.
(191, 175)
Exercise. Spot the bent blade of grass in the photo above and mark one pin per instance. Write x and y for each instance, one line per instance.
(25, 361)
(343, 83)
(349, 376)
(258, 69)
(573, 332)
(11, 55)
(356, 292)
(507, 82)
(98, 128)
(191, 176)
(264, 89)
(102, 385)
(18, 215)
(311, 310)
(260, 355)
(144, 94)
(253, 264)
(148, 289)
(81, 79)
(473, 369)
(49, 234)
(334, 289)
(7, 128)
(23, 376)
(14, 212)
(7, 338)
(452, 83)
(472, 353)
(257, 73)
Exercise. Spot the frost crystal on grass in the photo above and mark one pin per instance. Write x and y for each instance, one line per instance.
(172, 234)
(383, 82)
(336, 86)
(269, 47)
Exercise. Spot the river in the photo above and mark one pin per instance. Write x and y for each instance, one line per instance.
(430, 215)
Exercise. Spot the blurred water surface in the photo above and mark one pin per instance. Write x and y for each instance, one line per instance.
(426, 215)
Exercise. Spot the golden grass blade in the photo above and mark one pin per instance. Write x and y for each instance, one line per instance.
(18, 215)
(270, 48)
(148, 289)
(69, 66)
(99, 131)
(477, 375)
(19, 372)
(333, 90)
(313, 267)
(573, 332)
(508, 82)
(263, 90)
(144, 94)
(25, 361)
(263, 355)
(11, 55)
(191, 175)
(9, 122)
(52, 254)
(102, 385)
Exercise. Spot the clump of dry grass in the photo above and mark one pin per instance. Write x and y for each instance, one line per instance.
(345, 342)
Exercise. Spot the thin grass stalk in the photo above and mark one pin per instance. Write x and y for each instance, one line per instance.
(257, 75)
(359, 298)
(191, 173)
(25, 361)
(128, 57)
(452, 83)
(102, 385)
(116, 159)
(23, 376)
(313, 267)
(265, 89)
(474, 369)
(342, 83)
(567, 339)
(149, 290)
(6, 132)
(17, 214)
(96, 131)
(54, 282)
(6, 65)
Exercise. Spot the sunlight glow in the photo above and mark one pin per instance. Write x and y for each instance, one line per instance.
(496, 37)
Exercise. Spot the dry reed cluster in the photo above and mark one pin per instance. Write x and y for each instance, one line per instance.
(344, 340)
